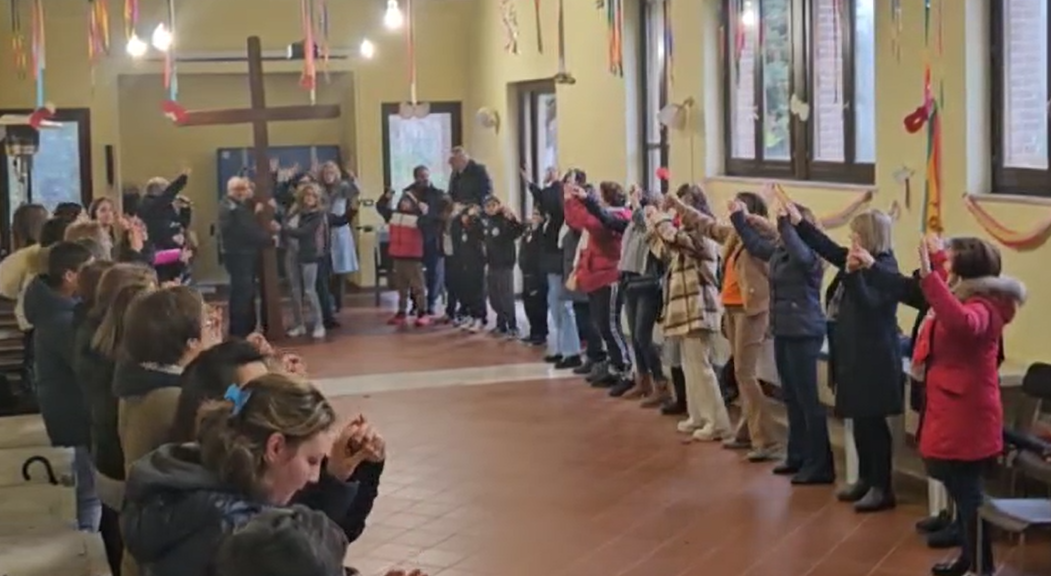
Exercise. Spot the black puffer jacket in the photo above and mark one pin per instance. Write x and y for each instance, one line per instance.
(176, 512)
(95, 376)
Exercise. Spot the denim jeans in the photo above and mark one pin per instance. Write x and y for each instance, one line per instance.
(642, 306)
(562, 335)
(808, 444)
(89, 507)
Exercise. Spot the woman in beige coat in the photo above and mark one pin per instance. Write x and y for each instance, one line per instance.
(692, 312)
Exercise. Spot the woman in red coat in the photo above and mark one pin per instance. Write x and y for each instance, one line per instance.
(956, 355)
(604, 218)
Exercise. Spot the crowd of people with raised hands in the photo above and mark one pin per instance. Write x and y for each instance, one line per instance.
(634, 290)
(202, 453)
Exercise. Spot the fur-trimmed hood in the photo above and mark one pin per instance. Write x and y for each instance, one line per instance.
(1004, 292)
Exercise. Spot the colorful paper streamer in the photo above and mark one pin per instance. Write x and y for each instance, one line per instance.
(1019, 241)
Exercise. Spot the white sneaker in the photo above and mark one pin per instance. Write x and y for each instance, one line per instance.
(297, 331)
(319, 332)
(476, 326)
(708, 433)
(687, 426)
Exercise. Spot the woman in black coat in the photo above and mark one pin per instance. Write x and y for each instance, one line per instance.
(864, 351)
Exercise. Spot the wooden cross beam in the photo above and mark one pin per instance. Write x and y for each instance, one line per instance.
(259, 116)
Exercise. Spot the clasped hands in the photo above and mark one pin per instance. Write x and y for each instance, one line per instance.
(357, 442)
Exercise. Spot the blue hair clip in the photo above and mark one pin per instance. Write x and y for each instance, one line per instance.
(238, 396)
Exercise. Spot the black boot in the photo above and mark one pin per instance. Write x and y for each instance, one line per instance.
(677, 405)
(936, 523)
(948, 537)
(852, 492)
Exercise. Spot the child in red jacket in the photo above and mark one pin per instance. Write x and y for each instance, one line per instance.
(405, 248)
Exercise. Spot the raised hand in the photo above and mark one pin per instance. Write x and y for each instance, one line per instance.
(925, 259)
(794, 216)
(861, 257)
(735, 206)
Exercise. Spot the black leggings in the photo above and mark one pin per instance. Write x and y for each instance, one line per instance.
(963, 482)
(875, 451)
(112, 540)
(642, 306)
(605, 305)
(588, 333)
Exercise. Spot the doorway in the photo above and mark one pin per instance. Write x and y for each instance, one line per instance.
(537, 136)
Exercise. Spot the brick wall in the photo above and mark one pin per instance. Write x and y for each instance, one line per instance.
(826, 106)
(1025, 81)
(742, 94)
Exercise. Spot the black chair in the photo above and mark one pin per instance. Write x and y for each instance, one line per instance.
(1019, 516)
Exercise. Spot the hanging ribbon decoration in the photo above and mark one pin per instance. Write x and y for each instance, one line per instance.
(18, 42)
(39, 44)
(98, 33)
(324, 25)
(562, 76)
(539, 27)
(1020, 241)
(131, 18)
(509, 18)
(308, 79)
(615, 33)
(897, 27)
(171, 76)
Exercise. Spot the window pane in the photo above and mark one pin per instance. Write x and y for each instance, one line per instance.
(420, 142)
(1025, 83)
(777, 68)
(547, 133)
(865, 81)
(55, 169)
(827, 101)
(743, 53)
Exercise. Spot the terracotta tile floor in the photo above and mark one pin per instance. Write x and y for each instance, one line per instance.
(553, 478)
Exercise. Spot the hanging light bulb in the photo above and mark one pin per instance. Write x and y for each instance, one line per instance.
(367, 49)
(162, 38)
(393, 19)
(136, 47)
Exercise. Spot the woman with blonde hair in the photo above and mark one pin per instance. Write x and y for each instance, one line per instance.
(306, 230)
(93, 235)
(692, 311)
(864, 350)
(256, 449)
(798, 325)
(341, 198)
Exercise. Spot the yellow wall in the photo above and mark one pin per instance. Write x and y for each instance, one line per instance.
(124, 97)
(592, 127)
(592, 114)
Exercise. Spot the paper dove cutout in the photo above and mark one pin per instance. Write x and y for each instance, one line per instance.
(902, 175)
(410, 110)
(799, 108)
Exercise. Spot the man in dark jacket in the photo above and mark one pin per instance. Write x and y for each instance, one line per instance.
(432, 224)
(49, 304)
(470, 182)
(242, 239)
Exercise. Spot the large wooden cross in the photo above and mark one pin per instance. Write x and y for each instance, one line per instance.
(258, 115)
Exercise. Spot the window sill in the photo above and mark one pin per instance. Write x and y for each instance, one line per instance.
(1022, 199)
(790, 184)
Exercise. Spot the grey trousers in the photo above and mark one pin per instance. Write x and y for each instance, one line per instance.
(500, 283)
(302, 278)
